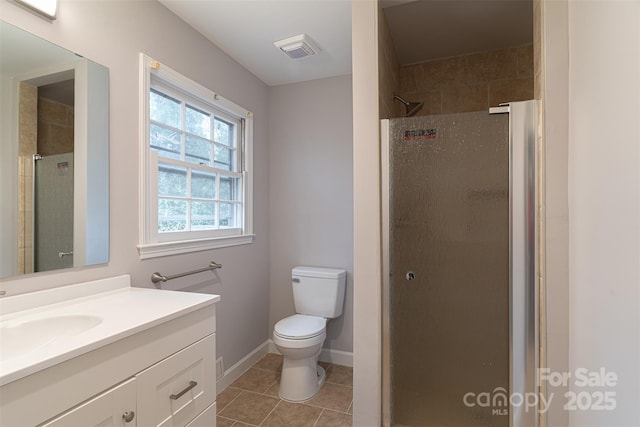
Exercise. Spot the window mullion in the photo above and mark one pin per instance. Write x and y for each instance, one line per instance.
(183, 131)
(189, 199)
(239, 140)
(196, 166)
(212, 138)
(216, 202)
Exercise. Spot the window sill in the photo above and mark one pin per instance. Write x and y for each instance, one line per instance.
(156, 250)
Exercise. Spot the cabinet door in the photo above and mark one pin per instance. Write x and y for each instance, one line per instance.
(173, 392)
(105, 410)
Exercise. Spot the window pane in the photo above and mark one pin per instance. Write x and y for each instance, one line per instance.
(228, 215)
(198, 150)
(198, 122)
(172, 215)
(172, 180)
(164, 109)
(223, 132)
(202, 215)
(228, 188)
(223, 158)
(203, 185)
(166, 142)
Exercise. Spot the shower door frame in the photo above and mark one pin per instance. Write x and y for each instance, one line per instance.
(524, 336)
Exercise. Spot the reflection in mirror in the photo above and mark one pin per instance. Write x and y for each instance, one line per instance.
(54, 145)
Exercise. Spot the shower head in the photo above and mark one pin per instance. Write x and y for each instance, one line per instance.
(412, 107)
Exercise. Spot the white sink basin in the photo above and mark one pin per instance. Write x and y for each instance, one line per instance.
(18, 337)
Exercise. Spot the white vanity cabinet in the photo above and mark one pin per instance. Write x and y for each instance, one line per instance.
(159, 373)
(176, 392)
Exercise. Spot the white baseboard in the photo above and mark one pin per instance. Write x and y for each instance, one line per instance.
(328, 355)
(242, 366)
(233, 373)
(337, 357)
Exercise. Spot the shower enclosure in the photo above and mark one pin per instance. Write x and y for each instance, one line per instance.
(460, 297)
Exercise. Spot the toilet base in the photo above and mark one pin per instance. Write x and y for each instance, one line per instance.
(301, 379)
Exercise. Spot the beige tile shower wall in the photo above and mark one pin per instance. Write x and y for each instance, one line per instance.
(472, 82)
(537, 48)
(389, 71)
(27, 143)
(55, 127)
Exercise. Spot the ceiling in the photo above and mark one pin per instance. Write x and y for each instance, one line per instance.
(430, 29)
(422, 30)
(246, 30)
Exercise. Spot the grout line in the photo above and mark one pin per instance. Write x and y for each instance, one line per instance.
(271, 385)
(318, 419)
(270, 412)
(324, 408)
(243, 423)
(218, 410)
(263, 369)
(226, 418)
(349, 408)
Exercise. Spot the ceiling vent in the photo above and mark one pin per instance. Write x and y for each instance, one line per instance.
(297, 47)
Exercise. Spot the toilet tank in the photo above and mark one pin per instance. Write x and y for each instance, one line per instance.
(318, 291)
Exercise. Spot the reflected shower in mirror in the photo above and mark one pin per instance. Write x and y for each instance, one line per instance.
(54, 145)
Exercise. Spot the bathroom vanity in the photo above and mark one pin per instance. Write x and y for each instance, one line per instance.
(105, 353)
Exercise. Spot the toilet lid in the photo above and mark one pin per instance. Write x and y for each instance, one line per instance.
(300, 326)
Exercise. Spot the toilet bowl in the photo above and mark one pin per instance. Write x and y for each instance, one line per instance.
(318, 295)
(299, 339)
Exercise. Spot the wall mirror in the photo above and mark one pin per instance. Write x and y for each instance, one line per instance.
(54, 154)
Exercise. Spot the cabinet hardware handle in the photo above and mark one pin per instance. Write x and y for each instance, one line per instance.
(191, 385)
(128, 416)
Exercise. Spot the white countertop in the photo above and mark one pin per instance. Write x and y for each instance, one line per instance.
(124, 311)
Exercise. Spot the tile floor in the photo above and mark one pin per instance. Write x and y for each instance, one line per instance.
(252, 400)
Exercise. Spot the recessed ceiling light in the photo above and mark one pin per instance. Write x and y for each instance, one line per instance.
(297, 47)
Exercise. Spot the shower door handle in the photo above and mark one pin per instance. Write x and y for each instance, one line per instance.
(63, 254)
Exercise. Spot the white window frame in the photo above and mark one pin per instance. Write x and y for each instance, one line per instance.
(152, 243)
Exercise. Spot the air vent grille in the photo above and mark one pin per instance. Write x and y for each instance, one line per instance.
(297, 47)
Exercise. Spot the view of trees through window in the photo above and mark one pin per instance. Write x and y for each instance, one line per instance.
(198, 178)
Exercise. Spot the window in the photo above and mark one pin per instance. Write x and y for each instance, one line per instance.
(196, 172)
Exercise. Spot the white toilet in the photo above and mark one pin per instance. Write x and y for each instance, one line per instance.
(318, 295)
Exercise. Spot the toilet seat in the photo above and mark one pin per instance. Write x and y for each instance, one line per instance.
(300, 327)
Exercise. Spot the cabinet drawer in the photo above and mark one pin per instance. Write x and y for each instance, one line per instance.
(173, 392)
(205, 419)
(106, 409)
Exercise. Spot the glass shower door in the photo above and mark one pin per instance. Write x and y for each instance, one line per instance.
(449, 270)
(53, 216)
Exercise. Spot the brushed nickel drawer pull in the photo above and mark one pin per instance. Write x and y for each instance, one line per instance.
(191, 385)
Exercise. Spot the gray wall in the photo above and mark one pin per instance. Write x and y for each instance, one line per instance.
(112, 33)
(311, 192)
